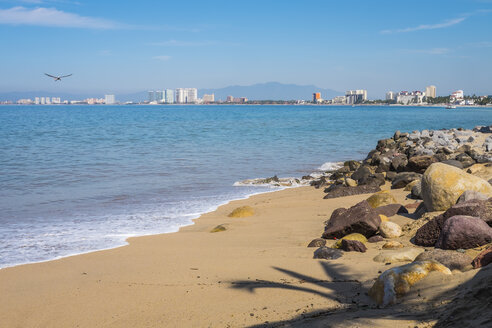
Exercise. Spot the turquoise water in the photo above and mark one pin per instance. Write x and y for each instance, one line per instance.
(75, 179)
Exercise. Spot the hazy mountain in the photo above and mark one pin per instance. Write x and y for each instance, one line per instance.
(271, 91)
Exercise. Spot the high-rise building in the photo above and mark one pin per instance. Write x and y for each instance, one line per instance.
(356, 96)
(55, 100)
(230, 99)
(36, 101)
(186, 95)
(159, 96)
(209, 98)
(109, 99)
(169, 96)
(317, 97)
(42, 101)
(48, 100)
(151, 96)
(390, 95)
(430, 91)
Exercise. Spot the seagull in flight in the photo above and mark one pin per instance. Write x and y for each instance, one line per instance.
(57, 78)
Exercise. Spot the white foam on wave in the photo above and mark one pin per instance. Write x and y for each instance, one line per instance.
(330, 166)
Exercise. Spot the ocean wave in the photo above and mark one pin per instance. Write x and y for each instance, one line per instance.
(330, 166)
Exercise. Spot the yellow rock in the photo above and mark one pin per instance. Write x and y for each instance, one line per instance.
(397, 281)
(352, 236)
(483, 171)
(381, 198)
(383, 218)
(409, 186)
(242, 212)
(443, 184)
(219, 228)
(350, 182)
(392, 244)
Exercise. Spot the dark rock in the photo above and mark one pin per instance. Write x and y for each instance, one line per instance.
(413, 205)
(420, 163)
(375, 239)
(399, 163)
(384, 166)
(385, 143)
(454, 162)
(420, 210)
(321, 182)
(451, 259)
(390, 176)
(307, 177)
(397, 135)
(374, 179)
(342, 191)
(477, 208)
(318, 242)
(360, 218)
(483, 129)
(464, 232)
(471, 195)
(391, 209)
(353, 246)
(361, 172)
(352, 165)
(483, 259)
(428, 234)
(465, 160)
(404, 178)
(440, 157)
(327, 253)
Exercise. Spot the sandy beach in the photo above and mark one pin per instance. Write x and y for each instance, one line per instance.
(258, 271)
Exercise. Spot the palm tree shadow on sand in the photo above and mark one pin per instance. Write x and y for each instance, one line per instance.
(356, 309)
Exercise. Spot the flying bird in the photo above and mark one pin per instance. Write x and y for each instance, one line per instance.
(57, 78)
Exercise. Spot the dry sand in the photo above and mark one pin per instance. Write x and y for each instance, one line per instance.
(257, 271)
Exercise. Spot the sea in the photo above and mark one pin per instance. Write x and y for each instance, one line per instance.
(75, 179)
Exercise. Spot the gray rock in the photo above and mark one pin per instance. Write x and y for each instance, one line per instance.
(399, 163)
(404, 178)
(327, 253)
(453, 162)
(451, 259)
(471, 195)
(353, 246)
(318, 242)
(417, 191)
(341, 191)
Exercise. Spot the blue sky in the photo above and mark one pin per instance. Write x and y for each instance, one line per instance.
(123, 46)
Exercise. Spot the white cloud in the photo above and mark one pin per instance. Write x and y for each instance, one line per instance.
(447, 23)
(54, 18)
(161, 58)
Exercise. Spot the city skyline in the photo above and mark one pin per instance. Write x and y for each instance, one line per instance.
(378, 46)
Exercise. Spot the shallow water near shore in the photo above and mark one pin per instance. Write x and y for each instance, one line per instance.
(75, 179)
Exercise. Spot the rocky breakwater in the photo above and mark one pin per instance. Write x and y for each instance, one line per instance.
(403, 159)
(451, 171)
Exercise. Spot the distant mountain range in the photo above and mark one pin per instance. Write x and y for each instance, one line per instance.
(270, 91)
(260, 91)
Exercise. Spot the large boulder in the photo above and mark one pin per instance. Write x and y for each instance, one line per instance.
(389, 230)
(361, 172)
(420, 163)
(360, 218)
(451, 259)
(443, 184)
(396, 282)
(404, 178)
(342, 191)
(462, 232)
(428, 234)
(381, 198)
